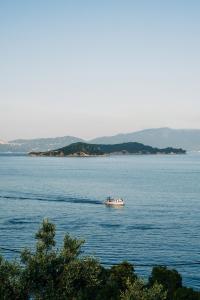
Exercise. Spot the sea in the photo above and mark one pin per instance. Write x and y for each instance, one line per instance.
(159, 224)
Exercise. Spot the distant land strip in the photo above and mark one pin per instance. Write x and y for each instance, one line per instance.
(81, 149)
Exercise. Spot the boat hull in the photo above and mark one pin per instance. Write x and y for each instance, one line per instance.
(114, 202)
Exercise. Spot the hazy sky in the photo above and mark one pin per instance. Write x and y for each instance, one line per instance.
(91, 68)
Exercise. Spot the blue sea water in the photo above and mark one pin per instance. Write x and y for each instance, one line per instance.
(160, 223)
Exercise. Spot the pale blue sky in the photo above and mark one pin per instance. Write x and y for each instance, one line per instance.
(91, 68)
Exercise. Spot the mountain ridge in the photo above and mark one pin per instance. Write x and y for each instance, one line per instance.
(163, 137)
(40, 144)
(188, 139)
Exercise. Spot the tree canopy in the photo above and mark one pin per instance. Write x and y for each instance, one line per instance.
(48, 273)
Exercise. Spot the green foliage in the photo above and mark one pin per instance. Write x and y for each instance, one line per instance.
(11, 287)
(81, 149)
(45, 236)
(137, 291)
(48, 273)
(53, 274)
(115, 279)
(170, 279)
(186, 294)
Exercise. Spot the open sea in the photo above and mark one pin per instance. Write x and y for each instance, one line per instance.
(160, 223)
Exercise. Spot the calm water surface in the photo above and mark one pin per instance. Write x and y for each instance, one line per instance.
(159, 224)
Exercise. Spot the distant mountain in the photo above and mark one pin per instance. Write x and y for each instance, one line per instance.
(85, 149)
(188, 139)
(42, 144)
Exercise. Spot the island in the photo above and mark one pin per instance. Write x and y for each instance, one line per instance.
(86, 149)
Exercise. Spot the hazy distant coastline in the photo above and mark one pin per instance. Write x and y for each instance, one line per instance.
(188, 139)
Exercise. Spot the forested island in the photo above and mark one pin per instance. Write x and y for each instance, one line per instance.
(49, 273)
(86, 149)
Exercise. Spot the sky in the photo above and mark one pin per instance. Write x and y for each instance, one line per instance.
(91, 68)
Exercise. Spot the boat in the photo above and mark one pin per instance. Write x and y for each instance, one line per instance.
(114, 202)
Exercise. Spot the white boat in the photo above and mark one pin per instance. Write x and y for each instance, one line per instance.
(114, 202)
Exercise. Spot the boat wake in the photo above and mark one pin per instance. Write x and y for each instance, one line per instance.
(46, 198)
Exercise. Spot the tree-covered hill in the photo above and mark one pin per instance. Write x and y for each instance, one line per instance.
(85, 149)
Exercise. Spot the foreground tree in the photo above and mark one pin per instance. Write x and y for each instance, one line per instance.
(48, 273)
(186, 294)
(138, 291)
(52, 274)
(10, 281)
(114, 281)
(171, 280)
